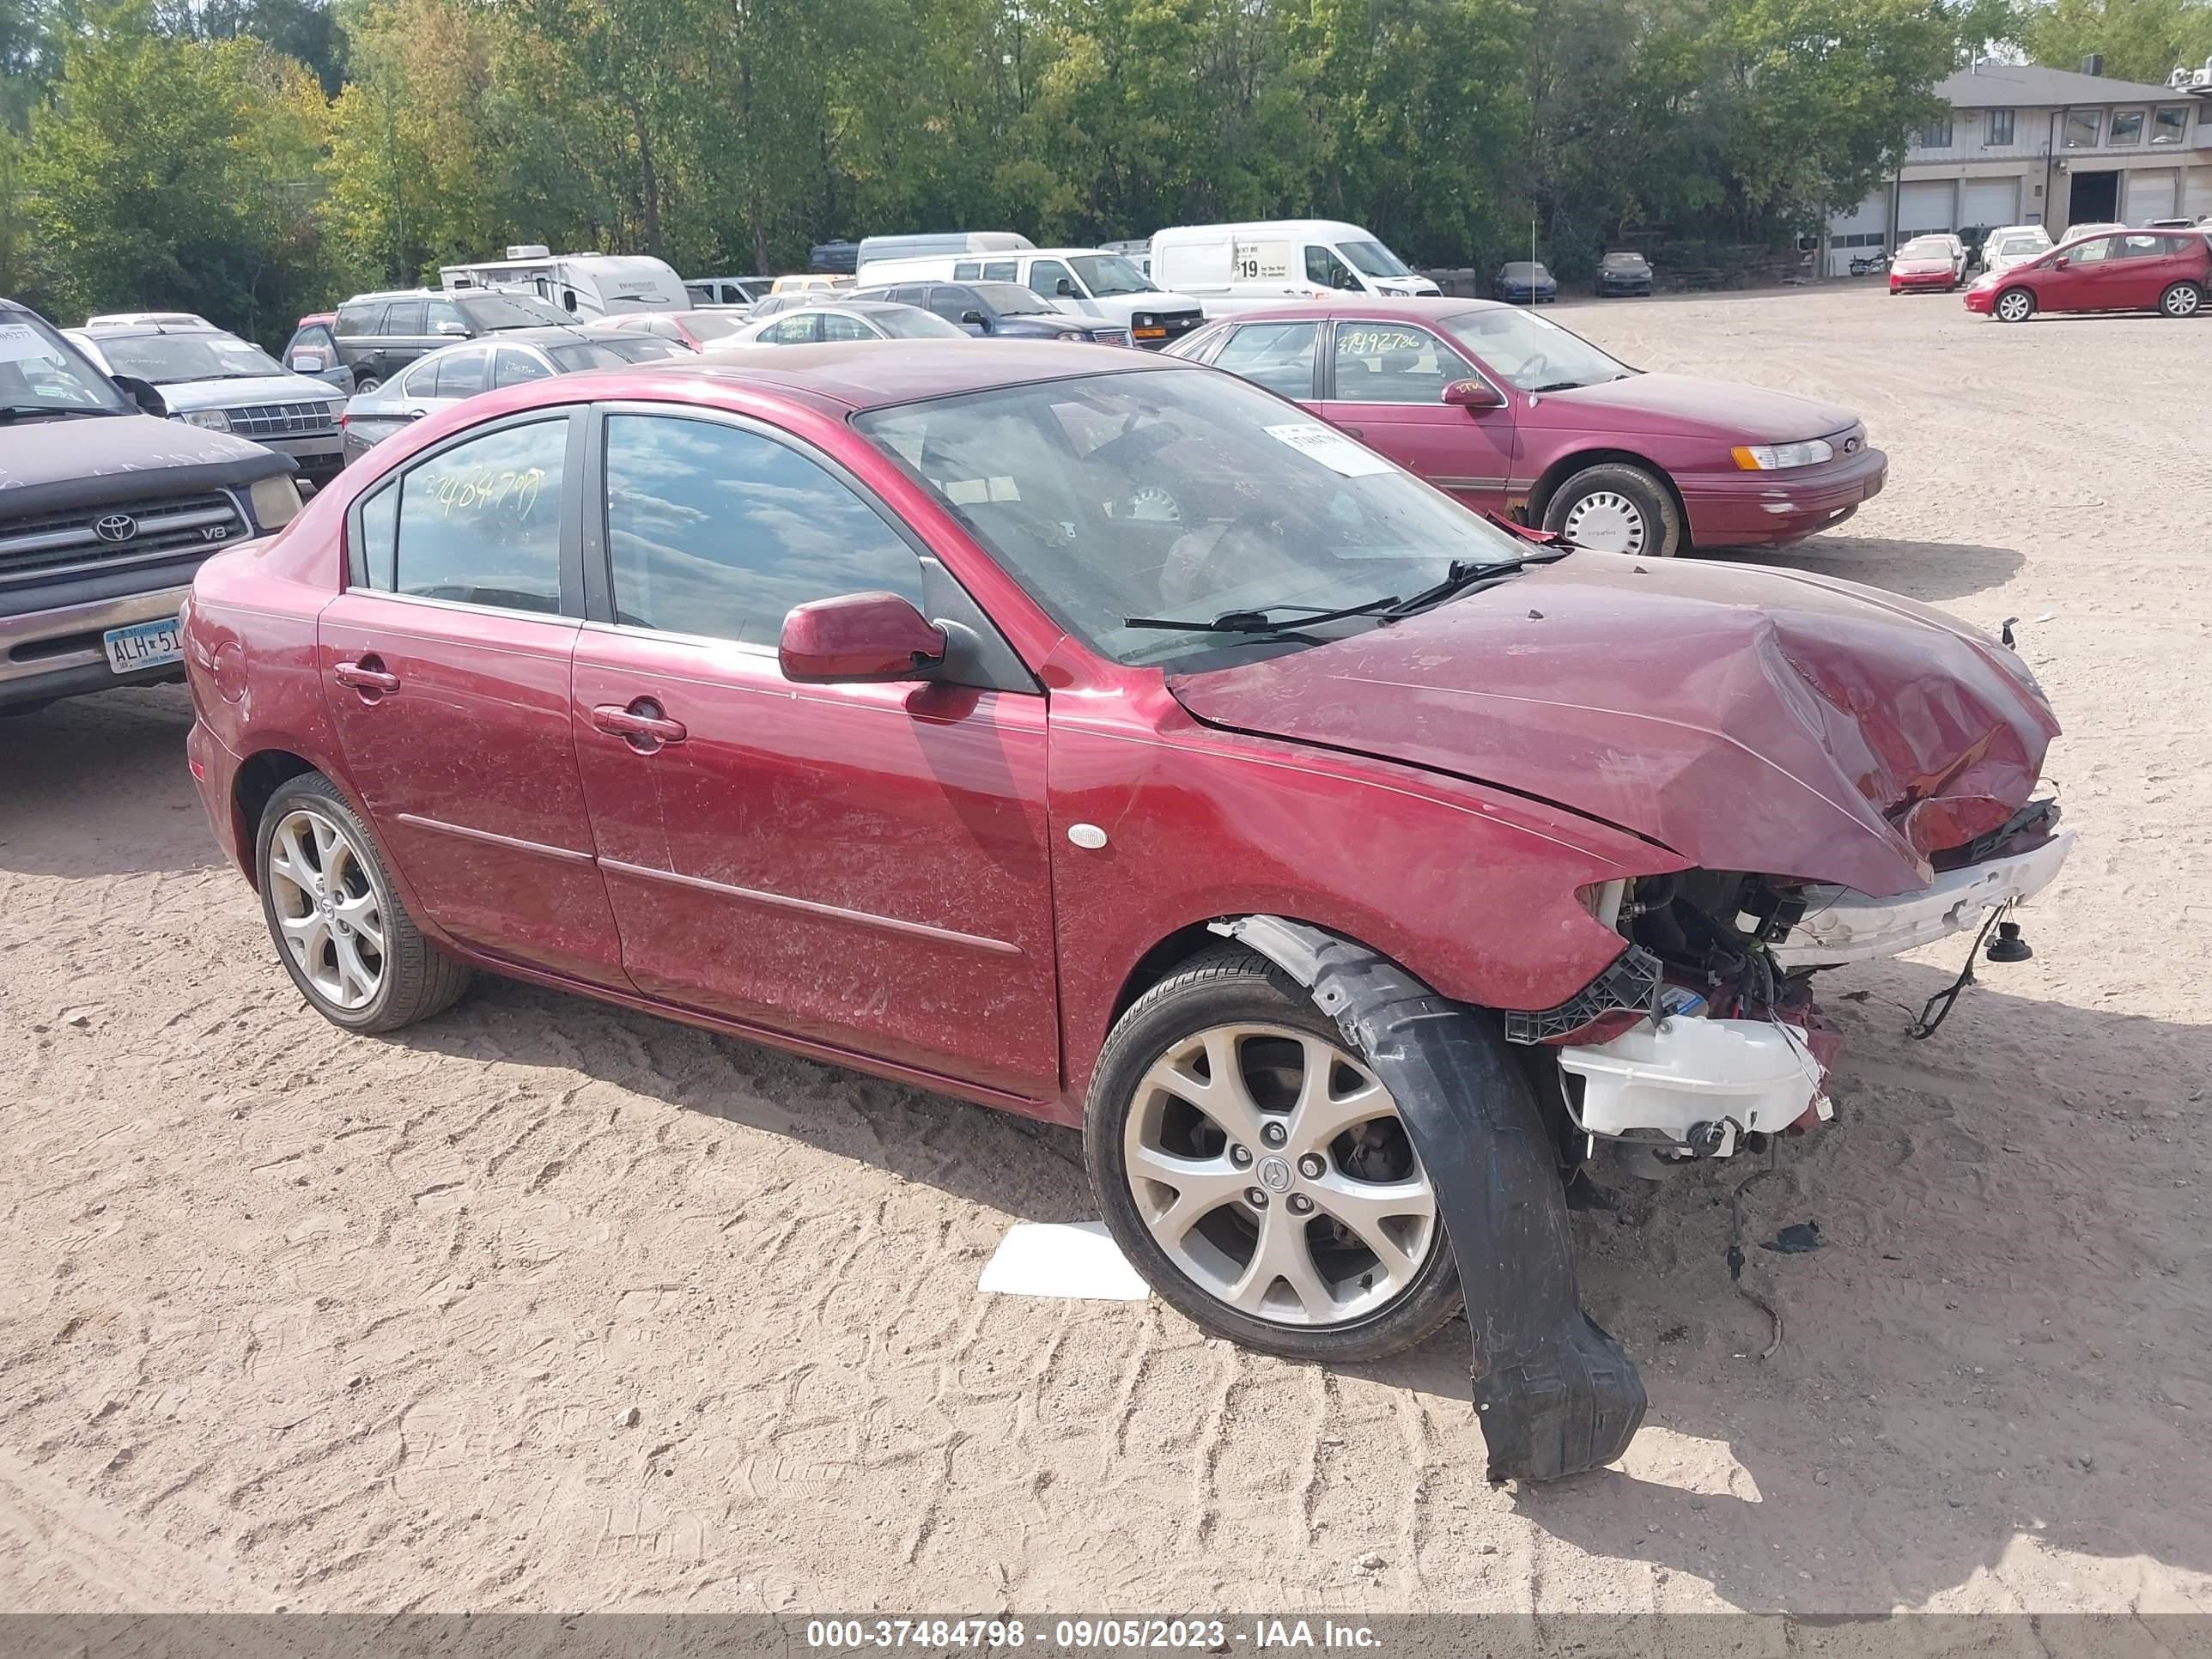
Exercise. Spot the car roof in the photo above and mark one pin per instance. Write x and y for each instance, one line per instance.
(141, 330)
(1428, 307)
(548, 334)
(865, 374)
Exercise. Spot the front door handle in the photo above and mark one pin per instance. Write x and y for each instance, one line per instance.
(642, 724)
(1352, 432)
(364, 678)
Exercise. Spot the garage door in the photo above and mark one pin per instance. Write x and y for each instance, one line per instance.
(1924, 205)
(2151, 194)
(1991, 202)
(2196, 195)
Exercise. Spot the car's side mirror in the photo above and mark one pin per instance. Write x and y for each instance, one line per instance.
(971, 320)
(307, 362)
(857, 637)
(459, 331)
(2060, 264)
(1064, 289)
(143, 393)
(1475, 395)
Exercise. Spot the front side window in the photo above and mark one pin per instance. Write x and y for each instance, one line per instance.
(443, 317)
(312, 348)
(1392, 363)
(2000, 128)
(2127, 126)
(1166, 494)
(951, 303)
(1534, 353)
(2082, 128)
(1325, 268)
(717, 530)
(1047, 275)
(1277, 355)
(1374, 259)
(480, 523)
(2094, 252)
(512, 366)
(2170, 126)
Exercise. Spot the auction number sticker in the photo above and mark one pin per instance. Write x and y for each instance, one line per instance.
(20, 343)
(1330, 447)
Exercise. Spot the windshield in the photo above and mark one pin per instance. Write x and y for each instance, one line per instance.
(912, 323)
(1622, 261)
(497, 310)
(1925, 247)
(1180, 494)
(1534, 353)
(1373, 259)
(166, 359)
(608, 353)
(1108, 274)
(2011, 247)
(1012, 299)
(39, 374)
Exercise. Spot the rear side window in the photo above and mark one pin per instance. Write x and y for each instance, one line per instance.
(480, 523)
(402, 317)
(462, 374)
(422, 381)
(1277, 355)
(967, 270)
(1001, 270)
(360, 318)
(719, 532)
(794, 329)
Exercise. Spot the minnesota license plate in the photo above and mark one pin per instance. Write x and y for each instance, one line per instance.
(145, 645)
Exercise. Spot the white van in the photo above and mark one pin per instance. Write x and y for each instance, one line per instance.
(1232, 268)
(586, 284)
(1082, 282)
(873, 250)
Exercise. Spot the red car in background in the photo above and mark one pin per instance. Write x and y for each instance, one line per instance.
(2169, 271)
(1926, 263)
(1511, 412)
(1317, 849)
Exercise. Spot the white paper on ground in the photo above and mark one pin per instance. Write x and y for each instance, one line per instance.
(1067, 1259)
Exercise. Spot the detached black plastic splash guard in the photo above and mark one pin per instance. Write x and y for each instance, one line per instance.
(1556, 1394)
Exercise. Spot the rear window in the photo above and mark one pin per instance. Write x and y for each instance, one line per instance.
(496, 311)
(610, 354)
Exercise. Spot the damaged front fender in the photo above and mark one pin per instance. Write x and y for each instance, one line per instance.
(1555, 1393)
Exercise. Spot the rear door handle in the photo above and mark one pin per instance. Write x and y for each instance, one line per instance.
(362, 677)
(642, 724)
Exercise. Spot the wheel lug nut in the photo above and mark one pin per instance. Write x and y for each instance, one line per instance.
(1274, 1135)
(1300, 1204)
(1256, 1197)
(1311, 1167)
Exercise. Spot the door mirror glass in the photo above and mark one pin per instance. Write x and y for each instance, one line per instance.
(857, 636)
(972, 318)
(1064, 288)
(144, 394)
(1473, 395)
(2061, 263)
(306, 363)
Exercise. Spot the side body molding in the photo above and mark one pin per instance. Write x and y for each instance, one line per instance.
(1555, 1393)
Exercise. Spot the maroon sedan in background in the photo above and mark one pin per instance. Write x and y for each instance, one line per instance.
(1312, 847)
(1511, 413)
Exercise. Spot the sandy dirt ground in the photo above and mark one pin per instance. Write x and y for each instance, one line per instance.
(546, 1305)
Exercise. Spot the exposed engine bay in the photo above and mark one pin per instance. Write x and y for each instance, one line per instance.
(1702, 1040)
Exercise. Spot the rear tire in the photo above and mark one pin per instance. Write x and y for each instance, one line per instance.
(2181, 299)
(337, 921)
(367, 385)
(2014, 305)
(1617, 508)
(1230, 1001)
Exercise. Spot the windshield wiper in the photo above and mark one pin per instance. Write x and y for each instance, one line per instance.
(1471, 575)
(20, 411)
(1256, 620)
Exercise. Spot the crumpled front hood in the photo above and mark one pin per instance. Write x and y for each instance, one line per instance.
(1771, 722)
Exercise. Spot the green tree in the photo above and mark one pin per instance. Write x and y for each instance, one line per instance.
(2140, 39)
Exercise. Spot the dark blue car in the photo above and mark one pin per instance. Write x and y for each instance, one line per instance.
(1525, 283)
(999, 308)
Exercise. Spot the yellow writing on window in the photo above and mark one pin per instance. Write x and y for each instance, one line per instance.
(487, 488)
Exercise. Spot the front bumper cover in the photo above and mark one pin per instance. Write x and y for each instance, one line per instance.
(1840, 925)
(1555, 1393)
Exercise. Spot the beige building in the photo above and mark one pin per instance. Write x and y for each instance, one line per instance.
(2026, 145)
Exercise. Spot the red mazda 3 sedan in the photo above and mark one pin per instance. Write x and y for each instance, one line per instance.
(1348, 866)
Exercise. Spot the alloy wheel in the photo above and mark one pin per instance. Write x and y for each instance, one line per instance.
(1606, 521)
(1272, 1167)
(2182, 300)
(327, 910)
(2013, 307)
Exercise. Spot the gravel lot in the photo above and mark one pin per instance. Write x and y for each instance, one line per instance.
(548, 1305)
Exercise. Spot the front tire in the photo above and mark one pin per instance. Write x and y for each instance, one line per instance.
(1614, 508)
(2181, 299)
(2014, 305)
(337, 923)
(1224, 1084)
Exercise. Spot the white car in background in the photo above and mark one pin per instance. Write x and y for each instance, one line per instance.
(2013, 244)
